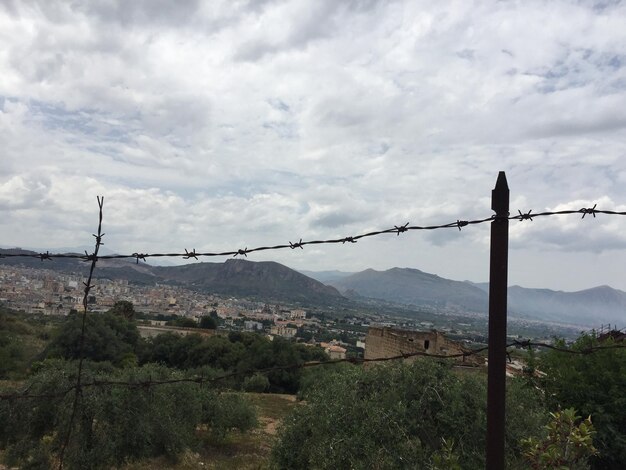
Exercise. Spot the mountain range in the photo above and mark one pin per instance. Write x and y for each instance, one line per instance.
(590, 307)
(274, 281)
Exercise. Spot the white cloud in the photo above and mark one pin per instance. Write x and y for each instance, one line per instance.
(229, 124)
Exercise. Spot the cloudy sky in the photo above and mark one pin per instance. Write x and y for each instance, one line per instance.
(220, 125)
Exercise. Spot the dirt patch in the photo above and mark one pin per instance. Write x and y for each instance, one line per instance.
(269, 425)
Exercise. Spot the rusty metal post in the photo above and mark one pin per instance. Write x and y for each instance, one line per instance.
(498, 269)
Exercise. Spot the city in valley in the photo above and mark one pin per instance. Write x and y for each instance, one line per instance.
(163, 307)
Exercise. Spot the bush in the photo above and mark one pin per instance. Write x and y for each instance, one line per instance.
(593, 385)
(108, 337)
(568, 443)
(400, 416)
(114, 423)
(257, 383)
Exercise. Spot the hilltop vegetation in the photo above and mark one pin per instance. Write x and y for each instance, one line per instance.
(129, 421)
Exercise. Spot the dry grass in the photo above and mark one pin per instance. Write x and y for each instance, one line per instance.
(241, 451)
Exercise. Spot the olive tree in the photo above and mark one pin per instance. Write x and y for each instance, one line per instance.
(401, 416)
(118, 417)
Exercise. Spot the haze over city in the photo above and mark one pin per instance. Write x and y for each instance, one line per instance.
(224, 125)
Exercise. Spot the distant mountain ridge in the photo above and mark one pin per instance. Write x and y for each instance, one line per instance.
(414, 287)
(273, 281)
(326, 276)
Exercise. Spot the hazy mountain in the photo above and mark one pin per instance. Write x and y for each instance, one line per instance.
(412, 286)
(601, 304)
(326, 276)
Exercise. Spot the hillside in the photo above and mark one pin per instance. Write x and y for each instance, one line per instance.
(603, 304)
(414, 287)
(411, 286)
(236, 277)
(326, 277)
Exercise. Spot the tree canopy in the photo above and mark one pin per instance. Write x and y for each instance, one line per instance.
(115, 424)
(401, 416)
(594, 385)
(108, 337)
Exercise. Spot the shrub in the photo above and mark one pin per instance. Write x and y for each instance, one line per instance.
(113, 423)
(421, 415)
(257, 383)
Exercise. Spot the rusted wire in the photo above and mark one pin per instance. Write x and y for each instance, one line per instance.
(397, 230)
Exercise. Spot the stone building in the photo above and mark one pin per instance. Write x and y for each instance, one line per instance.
(284, 331)
(383, 342)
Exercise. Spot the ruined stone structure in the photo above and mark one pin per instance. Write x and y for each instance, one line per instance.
(382, 342)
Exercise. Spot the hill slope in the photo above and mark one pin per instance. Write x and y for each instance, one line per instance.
(412, 286)
(266, 280)
(590, 307)
(600, 304)
(238, 277)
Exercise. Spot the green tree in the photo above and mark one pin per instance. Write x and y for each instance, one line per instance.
(238, 352)
(108, 337)
(401, 416)
(114, 424)
(593, 384)
(208, 322)
(183, 322)
(567, 445)
(123, 308)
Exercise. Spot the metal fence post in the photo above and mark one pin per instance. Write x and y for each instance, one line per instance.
(498, 267)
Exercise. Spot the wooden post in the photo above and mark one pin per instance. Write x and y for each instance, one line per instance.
(498, 270)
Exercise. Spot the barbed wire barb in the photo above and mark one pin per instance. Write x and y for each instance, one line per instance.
(296, 245)
(461, 223)
(243, 252)
(591, 211)
(401, 229)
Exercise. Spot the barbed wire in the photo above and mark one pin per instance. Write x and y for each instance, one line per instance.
(201, 380)
(397, 229)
